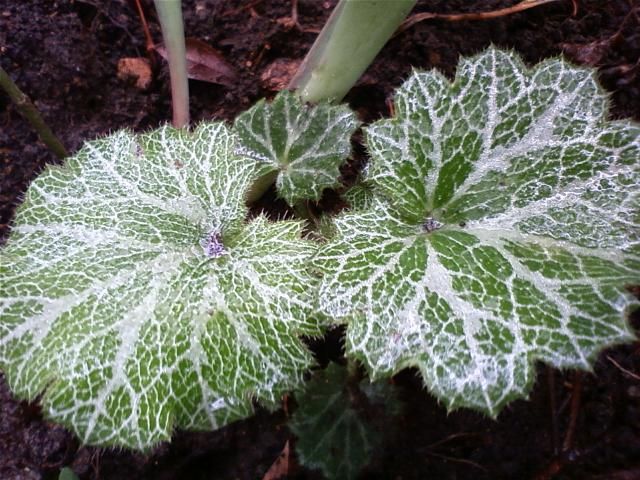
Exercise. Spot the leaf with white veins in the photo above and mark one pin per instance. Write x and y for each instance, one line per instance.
(135, 295)
(301, 146)
(506, 227)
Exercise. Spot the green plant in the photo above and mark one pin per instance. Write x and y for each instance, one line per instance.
(31, 113)
(67, 474)
(170, 16)
(502, 229)
(354, 34)
(137, 297)
(335, 429)
(351, 38)
(497, 225)
(297, 146)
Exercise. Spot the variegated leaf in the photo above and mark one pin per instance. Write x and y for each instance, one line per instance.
(136, 298)
(505, 229)
(302, 146)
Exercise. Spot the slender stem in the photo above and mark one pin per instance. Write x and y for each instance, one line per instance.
(147, 34)
(170, 16)
(576, 397)
(353, 368)
(354, 34)
(260, 186)
(553, 406)
(303, 210)
(30, 112)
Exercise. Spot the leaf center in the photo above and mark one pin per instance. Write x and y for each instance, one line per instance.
(212, 245)
(430, 224)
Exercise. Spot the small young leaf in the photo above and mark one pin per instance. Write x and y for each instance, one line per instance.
(505, 228)
(360, 197)
(303, 145)
(67, 474)
(333, 436)
(135, 295)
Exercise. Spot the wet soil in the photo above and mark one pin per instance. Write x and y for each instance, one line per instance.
(64, 55)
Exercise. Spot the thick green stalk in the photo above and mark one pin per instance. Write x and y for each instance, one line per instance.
(170, 16)
(30, 112)
(354, 34)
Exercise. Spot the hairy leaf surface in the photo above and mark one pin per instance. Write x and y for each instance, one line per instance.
(136, 296)
(303, 145)
(504, 229)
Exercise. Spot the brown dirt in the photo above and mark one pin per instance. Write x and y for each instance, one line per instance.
(64, 54)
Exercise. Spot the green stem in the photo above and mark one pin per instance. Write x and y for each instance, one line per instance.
(354, 34)
(261, 185)
(353, 369)
(170, 16)
(30, 112)
(303, 211)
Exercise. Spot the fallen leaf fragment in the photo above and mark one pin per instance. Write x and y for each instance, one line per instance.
(136, 68)
(204, 63)
(587, 54)
(277, 75)
(280, 468)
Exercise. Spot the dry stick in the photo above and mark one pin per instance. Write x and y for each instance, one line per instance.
(294, 12)
(576, 395)
(453, 436)
(622, 369)
(30, 112)
(240, 9)
(568, 453)
(149, 44)
(457, 17)
(457, 460)
(294, 20)
(429, 449)
(553, 406)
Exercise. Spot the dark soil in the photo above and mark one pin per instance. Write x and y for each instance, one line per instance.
(64, 55)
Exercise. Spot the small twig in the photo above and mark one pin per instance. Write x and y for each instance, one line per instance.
(568, 454)
(458, 460)
(104, 11)
(563, 459)
(576, 396)
(292, 20)
(391, 107)
(574, 11)
(30, 112)
(449, 438)
(622, 369)
(428, 450)
(149, 44)
(458, 17)
(553, 406)
(240, 9)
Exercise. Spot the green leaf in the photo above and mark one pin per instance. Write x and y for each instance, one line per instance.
(505, 228)
(136, 296)
(360, 197)
(303, 145)
(67, 473)
(334, 436)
